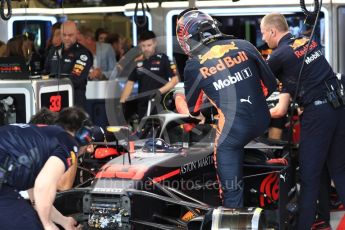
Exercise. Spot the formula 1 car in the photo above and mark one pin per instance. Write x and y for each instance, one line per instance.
(169, 182)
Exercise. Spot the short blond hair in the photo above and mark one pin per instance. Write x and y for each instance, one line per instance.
(275, 20)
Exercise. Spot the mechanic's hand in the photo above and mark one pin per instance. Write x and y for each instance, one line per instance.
(200, 117)
(70, 224)
(95, 74)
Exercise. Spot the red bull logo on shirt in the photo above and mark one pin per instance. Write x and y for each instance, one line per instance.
(223, 63)
(217, 51)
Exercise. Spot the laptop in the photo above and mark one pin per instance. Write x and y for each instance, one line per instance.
(14, 68)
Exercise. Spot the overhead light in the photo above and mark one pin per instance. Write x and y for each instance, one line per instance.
(151, 5)
(77, 10)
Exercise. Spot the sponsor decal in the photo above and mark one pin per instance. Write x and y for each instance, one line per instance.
(242, 100)
(80, 62)
(83, 57)
(194, 165)
(72, 159)
(230, 80)
(269, 189)
(77, 69)
(300, 53)
(139, 64)
(298, 43)
(312, 57)
(154, 68)
(217, 51)
(68, 60)
(223, 64)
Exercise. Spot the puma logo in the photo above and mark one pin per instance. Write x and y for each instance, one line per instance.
(246, 100)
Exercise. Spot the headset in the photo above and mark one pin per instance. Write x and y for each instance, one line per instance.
(84, 134)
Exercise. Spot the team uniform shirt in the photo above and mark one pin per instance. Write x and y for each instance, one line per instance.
(75, 63)
(151, 74)
(226, 72)
(30, 146)
(286, 61)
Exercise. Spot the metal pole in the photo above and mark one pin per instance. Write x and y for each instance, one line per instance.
(191, 3)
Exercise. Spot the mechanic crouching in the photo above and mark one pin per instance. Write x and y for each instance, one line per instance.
(321, 94)
(40, 159)
(229, 71)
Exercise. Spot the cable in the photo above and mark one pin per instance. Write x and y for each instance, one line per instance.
(310, 14)
(317, 10)
(9, 9)
(165, 97)
(144, 13)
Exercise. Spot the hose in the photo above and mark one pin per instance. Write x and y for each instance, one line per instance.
(9, 9)
(144, 13)
(316, 12)
(310, 15)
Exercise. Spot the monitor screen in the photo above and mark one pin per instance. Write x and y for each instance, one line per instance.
(13, 68)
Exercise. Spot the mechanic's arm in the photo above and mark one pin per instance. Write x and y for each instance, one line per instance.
(282, 107)
(45, 190)
(126, 91)
(66, 222)
(67, 179)
(193, 92)
(169, 85)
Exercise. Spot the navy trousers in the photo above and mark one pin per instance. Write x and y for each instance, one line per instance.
(229, 155)
(322, 142)
(16, 212)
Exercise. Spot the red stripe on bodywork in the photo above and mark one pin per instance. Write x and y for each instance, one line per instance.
(166, 176)
(341, 225)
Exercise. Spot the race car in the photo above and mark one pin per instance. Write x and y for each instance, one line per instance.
(169, 182)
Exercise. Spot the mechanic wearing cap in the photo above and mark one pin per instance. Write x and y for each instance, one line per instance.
(229, 71)
(39, 159)
(154, 73)
(322, 122)
(74, 61)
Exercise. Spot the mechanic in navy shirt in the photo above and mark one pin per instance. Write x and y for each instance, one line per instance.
(153, 73)
(39, 159)
(322, 127)
(229, 71)
(74, 60)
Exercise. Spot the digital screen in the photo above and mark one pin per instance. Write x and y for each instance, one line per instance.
(55, 101)
(40, 30)
(13, 68)
(11, 109)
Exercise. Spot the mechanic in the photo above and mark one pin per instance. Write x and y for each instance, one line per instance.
(153, 73)
(322, 122)
(74, 61)
(40, 159)
(229, 71)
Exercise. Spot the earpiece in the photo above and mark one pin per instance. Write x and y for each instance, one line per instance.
(84, 134)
